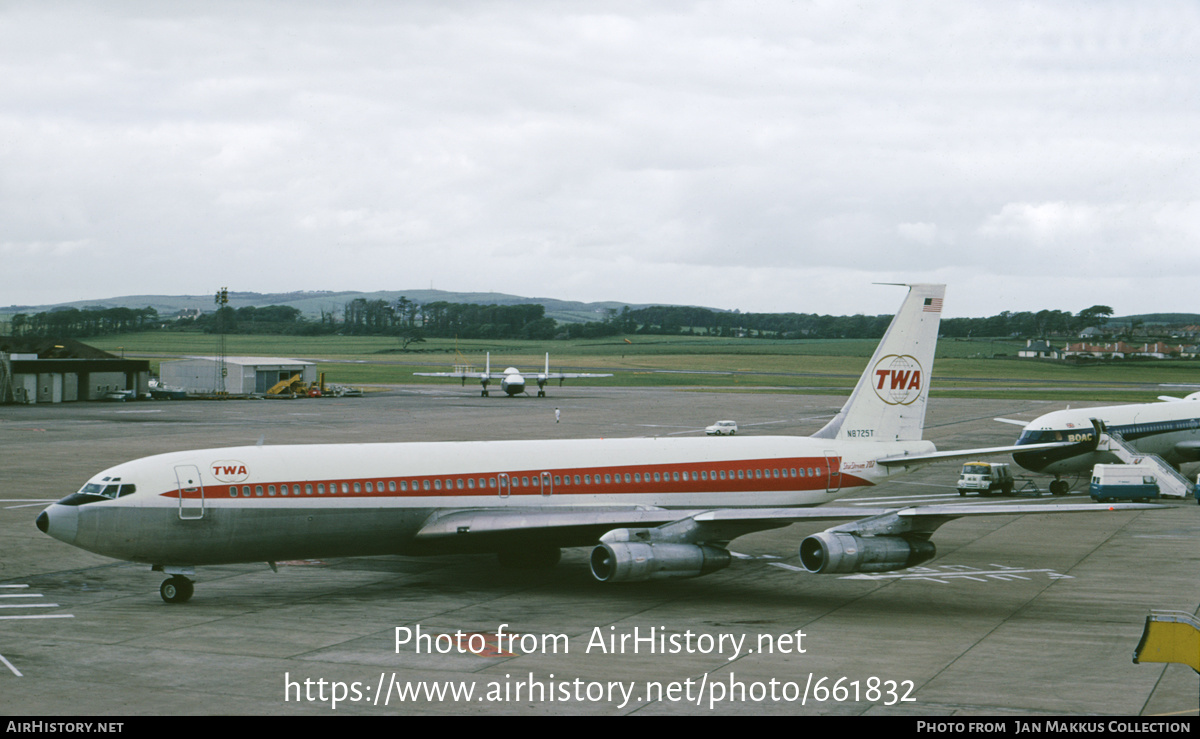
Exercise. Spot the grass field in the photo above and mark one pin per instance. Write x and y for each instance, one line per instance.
(978, 368)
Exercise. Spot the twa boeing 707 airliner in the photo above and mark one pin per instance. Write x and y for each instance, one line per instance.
(651, 508)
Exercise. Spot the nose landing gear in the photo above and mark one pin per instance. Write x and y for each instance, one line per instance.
(176, 589)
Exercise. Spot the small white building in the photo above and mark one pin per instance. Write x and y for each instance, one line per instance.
(243, 375)
(1039, 349)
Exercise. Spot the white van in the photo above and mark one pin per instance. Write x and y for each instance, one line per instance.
(985, 478)
(1137, 482)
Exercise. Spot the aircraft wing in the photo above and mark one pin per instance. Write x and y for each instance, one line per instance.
(921, 518)
(583, 526)
(572, 375)
(467, 375)
(913, 460)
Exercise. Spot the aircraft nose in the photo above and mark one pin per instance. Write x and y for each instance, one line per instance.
(59, 521)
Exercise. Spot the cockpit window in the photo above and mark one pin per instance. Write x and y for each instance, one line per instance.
(108, 491)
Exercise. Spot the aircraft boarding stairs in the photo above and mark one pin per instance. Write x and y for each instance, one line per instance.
(1171, 483)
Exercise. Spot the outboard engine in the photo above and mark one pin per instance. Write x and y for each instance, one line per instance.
(837, 552)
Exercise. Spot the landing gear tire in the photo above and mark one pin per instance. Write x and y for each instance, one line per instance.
(541, 393)
(962, 492)
(176, 589)
(536, 558)
(1059, 487)
(483, 394)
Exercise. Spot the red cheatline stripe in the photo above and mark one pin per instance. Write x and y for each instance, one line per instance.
(815, 478)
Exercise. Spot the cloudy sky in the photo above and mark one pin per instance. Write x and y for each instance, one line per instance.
(766, 156)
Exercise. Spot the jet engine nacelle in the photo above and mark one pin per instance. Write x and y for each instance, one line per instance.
(836, 552)
(636, 561)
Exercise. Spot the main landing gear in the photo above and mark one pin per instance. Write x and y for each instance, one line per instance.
(176, 589)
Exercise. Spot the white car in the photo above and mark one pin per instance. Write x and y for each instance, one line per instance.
(722, 428)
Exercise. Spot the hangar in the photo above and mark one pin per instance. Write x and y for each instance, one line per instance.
(37, 370)
(243, 375)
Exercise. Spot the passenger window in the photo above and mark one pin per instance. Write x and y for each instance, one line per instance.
(308, 488)
(358, 487)
(459, 483)
(576, 479)
(370, 488)
(391, 486)
(637, 477)
(557, 480)
(270, 490)
(258, 490)
(608, 479)
(233, 491)
(283, 489)
(437, 484)
(320, 488)
(741, 474)
(245, 491)
(627, 477)
(471, 483)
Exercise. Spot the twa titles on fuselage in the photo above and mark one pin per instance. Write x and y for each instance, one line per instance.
(1170, 430)
(650, 508)
(512, 382)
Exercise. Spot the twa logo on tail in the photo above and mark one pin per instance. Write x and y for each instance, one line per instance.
(229, 471)
(899, 379)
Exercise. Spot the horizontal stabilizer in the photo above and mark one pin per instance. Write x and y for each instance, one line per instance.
(1013, 421)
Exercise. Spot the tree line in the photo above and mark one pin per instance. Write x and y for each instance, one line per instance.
(411, 321)
(71, 323)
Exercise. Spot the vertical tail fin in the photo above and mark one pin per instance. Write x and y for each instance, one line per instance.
(888, 403)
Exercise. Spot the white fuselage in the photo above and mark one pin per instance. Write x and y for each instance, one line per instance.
(1170, 430)
(267, 503)
(513, 382)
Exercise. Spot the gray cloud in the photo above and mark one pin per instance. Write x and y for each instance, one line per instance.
(777, 156)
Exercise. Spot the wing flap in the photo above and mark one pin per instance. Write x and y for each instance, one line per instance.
(484, 521)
